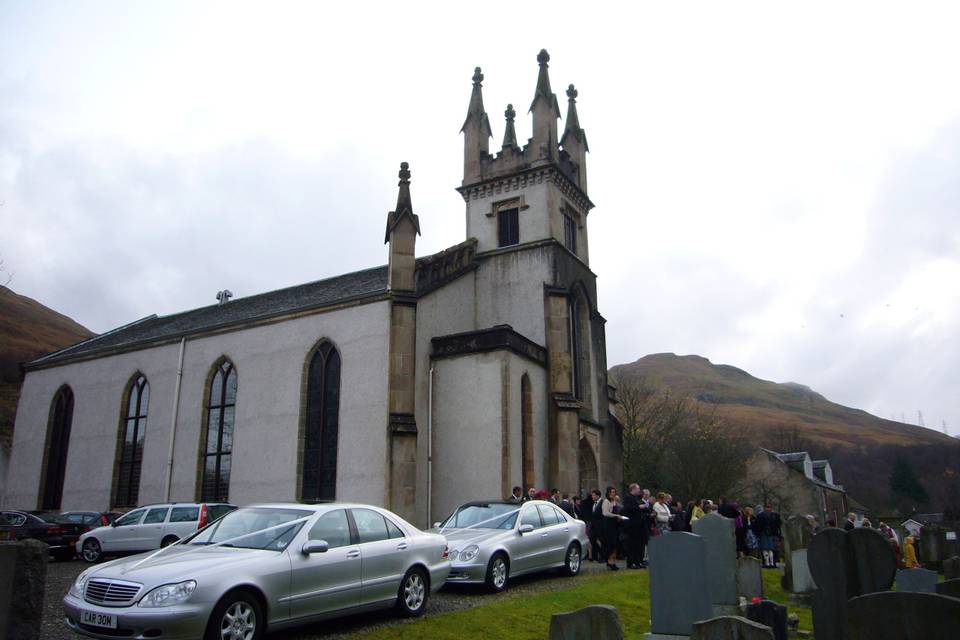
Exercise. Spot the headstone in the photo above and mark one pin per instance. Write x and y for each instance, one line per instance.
(800, 571)
(23, 564)
(749, 578)
(893, 615)
(773, 614)
(797, 534)
(917, 580)
(721, 569)
(949, 588)
(598, 621)
(931, 545)
(951, 568)
(678, 598)
(846, 565)
(730, 628)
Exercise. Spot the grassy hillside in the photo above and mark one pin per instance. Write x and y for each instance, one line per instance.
(27, 330)
(861, 446)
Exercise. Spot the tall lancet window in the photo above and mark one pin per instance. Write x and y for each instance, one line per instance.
(322, 426)
(55, 456)
(132, 433)
(218, 445)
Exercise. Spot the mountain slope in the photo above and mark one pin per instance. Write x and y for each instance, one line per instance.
(27, 330)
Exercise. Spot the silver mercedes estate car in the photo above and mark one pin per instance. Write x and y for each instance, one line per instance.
(493, 540)
(259, 567)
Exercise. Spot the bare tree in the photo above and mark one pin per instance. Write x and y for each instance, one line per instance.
(6, 273)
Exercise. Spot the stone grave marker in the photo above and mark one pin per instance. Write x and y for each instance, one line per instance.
(721, 568)
(951, 568)
(801, 578)
(770, 613)
(596, 622)
(797, 534)
(730, 628)
(949, 588)
(749, 578)
(678, 596)
(931, 544)
(846, 565)
(893, 615)
(916, 580)
(23, 566)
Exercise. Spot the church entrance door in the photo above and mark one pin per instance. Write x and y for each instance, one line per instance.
(587, 463)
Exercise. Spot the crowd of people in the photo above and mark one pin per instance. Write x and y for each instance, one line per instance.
(905, 554)
(621, 527)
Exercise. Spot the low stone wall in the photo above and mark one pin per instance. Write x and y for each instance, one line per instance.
(23, 574)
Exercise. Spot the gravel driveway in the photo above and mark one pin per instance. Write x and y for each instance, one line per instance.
(60, 575)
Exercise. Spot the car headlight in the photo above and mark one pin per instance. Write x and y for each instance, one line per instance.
(76, 589)
(169, 594)
(469, 553)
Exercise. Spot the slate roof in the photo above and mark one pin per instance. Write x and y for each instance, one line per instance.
(313, 295)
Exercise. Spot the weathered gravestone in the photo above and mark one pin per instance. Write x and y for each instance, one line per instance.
(797, 534)
(916, 580)
(23, 567)
(772, 614)
(596, 622)
(719, 532)
(846, 565)
(730, 628)
(902, 616)
(749, 578)
(931, 545)
(951, 568)
(678, 592)
(949, 588)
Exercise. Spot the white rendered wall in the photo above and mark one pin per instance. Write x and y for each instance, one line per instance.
(270, 366)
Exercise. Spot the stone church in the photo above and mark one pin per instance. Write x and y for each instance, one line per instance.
(416, 385)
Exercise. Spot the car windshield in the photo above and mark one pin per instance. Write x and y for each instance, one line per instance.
(252, 528)
(493, 515)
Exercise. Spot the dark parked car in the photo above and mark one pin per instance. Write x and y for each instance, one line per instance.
(58, 532)
(91, 519)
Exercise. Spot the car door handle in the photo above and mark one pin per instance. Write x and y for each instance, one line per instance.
(544, 535)
(353, 554)
(402, 546)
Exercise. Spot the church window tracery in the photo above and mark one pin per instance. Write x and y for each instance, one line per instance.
(217, 451)
(58, 443)
(322, 426)
(132, 434)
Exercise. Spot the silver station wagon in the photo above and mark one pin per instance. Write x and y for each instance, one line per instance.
(262, 567)
(491, 541)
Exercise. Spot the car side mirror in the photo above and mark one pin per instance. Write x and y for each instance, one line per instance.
(436, 525)
(113, 524)
(525, 528)
(314, 546)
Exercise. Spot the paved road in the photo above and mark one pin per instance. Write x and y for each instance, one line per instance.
(60, 575)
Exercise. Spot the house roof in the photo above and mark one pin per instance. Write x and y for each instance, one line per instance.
(313, 295)
(820, 464)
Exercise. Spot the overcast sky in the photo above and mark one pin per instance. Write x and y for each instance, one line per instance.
(777, 187)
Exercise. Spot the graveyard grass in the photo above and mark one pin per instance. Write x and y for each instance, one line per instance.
(528, 617)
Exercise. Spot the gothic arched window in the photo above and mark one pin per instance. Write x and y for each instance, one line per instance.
(218, 444)
(132, 433)
(322, 426)
(55, 456)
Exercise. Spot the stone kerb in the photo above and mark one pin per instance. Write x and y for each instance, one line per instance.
(721, 568)
(23, 566)
(949, 588)
(917, 580)
(731, 628)
(678, 592)
(893, 615)
(596, 622)
(749, 578)
(846, 565)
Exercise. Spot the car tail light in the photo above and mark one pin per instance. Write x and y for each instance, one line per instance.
(203, 517)
(56, 531)
(446, 552)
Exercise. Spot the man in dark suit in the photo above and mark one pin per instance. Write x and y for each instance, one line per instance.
(517, 496)
(850, 524)
(634, 508)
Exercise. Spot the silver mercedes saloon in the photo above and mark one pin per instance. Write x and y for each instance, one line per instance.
(262, 567)
(494, 540)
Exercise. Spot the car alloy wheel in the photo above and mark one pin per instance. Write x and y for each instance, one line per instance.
(412, 598)
(239, 622)
(497, 573)
(572, 565)
(91, 550)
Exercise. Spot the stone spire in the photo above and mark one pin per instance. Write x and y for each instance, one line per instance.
(546, 112)
(403, 227)
(476, 130)
(574, 138)
(510, 132)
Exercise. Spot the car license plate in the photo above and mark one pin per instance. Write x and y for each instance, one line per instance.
(95, 619)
